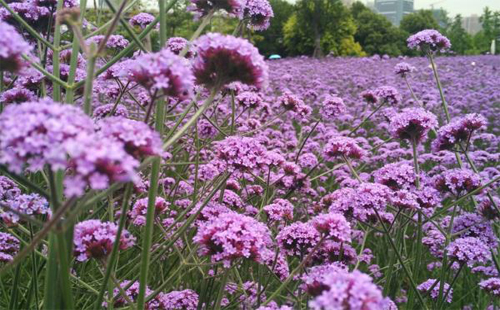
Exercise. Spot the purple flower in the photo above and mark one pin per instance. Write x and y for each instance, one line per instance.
(333, 107)
(429, 40)
(240, 153)
(231, 236)
(340, 146)
(298, 239)
(32, 204)
(412, 123)
(405, 199)
(98, 162)
(138, 138)
(138, 213)
(314, 279)
(203, 7)
(8, 189)
(94, 239)
(115, 41)
(142, 20)
(179, 300)
(12, 46)
(388, 94)
(259, 12)
(40, 138)
(177, 44)
(458, 131)
(469, 250)
(105, 110)
(370, 197)
(396, 176)
(17, 95)
(132, 293)
(9, 246)
(426, 286)
(491, 285)
(280, 210)
(370, 96)
(348, 290)
(457, 182)
(249, 100)
(333, 225)
(223, 59)
(403, 68)
(164, 72)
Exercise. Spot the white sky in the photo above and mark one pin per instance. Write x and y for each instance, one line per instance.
(464, 7)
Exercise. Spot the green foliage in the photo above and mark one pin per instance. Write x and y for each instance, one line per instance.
(418, 21)
(461, 41)
(376, 34)
(320, 27)
(491, 30)
(271, 41)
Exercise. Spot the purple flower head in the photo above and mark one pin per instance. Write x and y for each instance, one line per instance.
(348, 290)
(17, 95)
(370, 96)
(9, 246)
(138, 213)
(429, 40)
(403, 68)
(396, 176)
(105, 110)
(36, 16)
(203, 7)
(177, 44)
(458, 131)
(314, 279)
(40, 138)
(298, 239)
(241, 153)
(223, 59)
(97, 162)
(12, 46)
(388, 94)
(280, 210)
(8, 189)
(141, 20)
(231, 236)
(485, 208)
(115, 41)
(29, 204)
(370, 197)
(132, 293)
(249, 100)
(138, 138)
(405, 199)
(94, 239)
(333, 107)
(179, 300)
(334, 226)
(491, 285)
(469, 250)
(164, 72)
(426, 286)
(412, 123)
(457, 181)
(340, 146)
(290, 101)
(259, 12)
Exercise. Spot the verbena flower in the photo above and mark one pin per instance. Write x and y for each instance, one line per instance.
(403, 68)
(332, 107)
(40, 138)
(339, 146)
(368, 198)
(163, 71)
(259, 12)
(94, 239)
(459, 130)
(388, 94)
(9, 246)
(412, 123)
(298, 239)
(179, 300)
(203, 7)
(12, 47)
(457, 181)
(425, 287)
(138, 138)
(115, 41)
(469, 250)
(491, 285)
(29, 204)
(333, 225)
(132, 293)
(141, 20)
(177, 44)
(240, 153)
(396, 176)
(138, 213)
(249, 100)
(429, 40)
(17, 95)
(370, 96)
(232, 236)
(223, 59)
(105, 110)
(280, 210)
(8, 189)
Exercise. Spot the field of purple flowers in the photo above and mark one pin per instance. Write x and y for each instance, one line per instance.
(201, 176)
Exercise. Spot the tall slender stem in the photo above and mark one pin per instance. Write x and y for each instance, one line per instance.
(440, 87)
(89, 82)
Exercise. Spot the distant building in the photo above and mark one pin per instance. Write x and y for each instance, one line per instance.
(394, 10)
(471, 24)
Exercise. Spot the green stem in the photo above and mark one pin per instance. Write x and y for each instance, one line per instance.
(351, 168)
(87, 94)
(56, 90)
(439, 86)
(221, 289)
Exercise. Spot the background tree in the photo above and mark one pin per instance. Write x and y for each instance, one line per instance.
(490, 30)
(319, 27)
(376, 34)
(461, 41)
(271, 41)
(418, 21)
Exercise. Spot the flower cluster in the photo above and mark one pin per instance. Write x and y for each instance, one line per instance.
(141, 20)
(429, 40)
(9, 246)
(457, 182)
(432, 287)
(12, 47)
(334, 226)
(340, 146)
(177, 44)
(333, 107)
(458, 131)
(138, 213)
(388, 94)
(412, 124)
(260, 13)
(29, 204)
(280, 210)
(94, 239)
(491, 285)
(469, 250)
(179, 300)
(298, 239)
(403, 68)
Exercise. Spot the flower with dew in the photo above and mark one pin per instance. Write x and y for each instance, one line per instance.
(9, 246)
(223, 59)
(231, 236)
(412, 124)
(94, 239)
(429, 40)
(12, 47)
